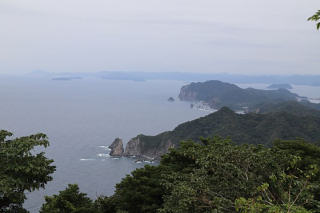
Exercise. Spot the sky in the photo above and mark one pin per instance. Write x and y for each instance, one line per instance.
(203, 36)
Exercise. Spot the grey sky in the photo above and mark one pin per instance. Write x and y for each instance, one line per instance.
(235, 36)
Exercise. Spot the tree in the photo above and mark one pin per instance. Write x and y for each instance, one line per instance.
(210, 177)
(288, 191)
(316, 18)
(309, 160)
(141, 191)
(106, 204)
(223, 177)
(69, 200)
(22, 169)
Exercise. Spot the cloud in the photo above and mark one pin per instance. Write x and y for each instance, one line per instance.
(158, 35)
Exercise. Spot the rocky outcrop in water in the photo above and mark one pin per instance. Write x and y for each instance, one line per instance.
(171, 99)
(142, 148)
(116, 148)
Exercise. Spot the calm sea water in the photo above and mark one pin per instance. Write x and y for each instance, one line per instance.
(83, 117)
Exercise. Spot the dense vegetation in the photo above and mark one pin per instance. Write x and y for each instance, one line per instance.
(21, 169)
(216, 176)
(316, 18)
(280, 121)
(219, 94)
(292, 107)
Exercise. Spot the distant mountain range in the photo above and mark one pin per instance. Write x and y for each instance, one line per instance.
(313, 80)
(66, 78)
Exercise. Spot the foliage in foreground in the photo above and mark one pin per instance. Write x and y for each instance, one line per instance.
(221, 174)
(217, 176)
(21, 169)
(316, 18)
(69, 200)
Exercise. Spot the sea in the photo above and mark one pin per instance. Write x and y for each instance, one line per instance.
(82, 117)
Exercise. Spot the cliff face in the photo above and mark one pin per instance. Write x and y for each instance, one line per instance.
(211, 90)
(139, 147)
(133, 147)
(116, 148)
(142, 147)
(186, 94)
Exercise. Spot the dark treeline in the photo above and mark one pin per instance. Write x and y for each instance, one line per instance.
(215, 175)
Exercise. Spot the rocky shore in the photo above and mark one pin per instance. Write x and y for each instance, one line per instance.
(116, 148)
(137, 149)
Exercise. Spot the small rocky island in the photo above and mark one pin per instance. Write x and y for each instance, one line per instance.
(171, 99)
(116, 148)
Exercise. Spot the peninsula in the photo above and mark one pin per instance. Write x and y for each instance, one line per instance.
(280, 121)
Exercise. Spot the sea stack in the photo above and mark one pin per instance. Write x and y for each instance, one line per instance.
(171, 99)
(116, 148)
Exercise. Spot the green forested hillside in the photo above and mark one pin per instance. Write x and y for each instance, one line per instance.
(219, 94)
(293, 107)
(250, 128)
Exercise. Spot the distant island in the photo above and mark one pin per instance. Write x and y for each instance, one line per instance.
(65, 78)
(280, 86)
(287, 120)
(218, 94)
(311, 80)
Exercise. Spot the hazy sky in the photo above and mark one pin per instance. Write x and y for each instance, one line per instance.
(235, 36)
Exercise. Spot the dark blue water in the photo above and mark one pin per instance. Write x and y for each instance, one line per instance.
(81, 118)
